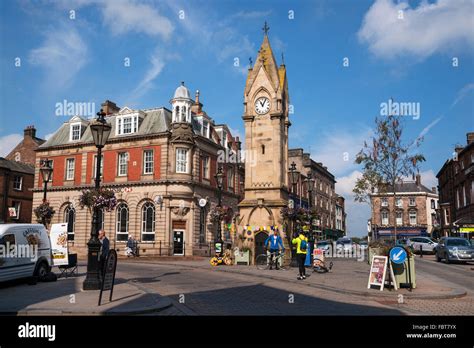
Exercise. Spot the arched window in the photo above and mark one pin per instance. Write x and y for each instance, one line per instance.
(176, 114)
(148, 222)
(183, 114)
(70, 219)
(122, 222)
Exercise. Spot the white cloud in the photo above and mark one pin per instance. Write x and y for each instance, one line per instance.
(157, 65)
(62, 54)
(252, 14)
(428, 127)
(463, 92)
(123, 16)
(49, 135)
(8, 143)
(425, 30)
(337, 149)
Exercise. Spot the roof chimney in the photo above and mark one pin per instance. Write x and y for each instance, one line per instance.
(30, 131)
(109, 107)
(418, 179)
(433, 189)
(470, 137)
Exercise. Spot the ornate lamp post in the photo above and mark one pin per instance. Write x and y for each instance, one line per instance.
(294, 177)
(310, 186)
(220, 182)
(46, 172)
(100, 130)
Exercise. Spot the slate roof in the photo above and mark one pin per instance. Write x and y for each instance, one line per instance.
(16, 166)
(154, 121)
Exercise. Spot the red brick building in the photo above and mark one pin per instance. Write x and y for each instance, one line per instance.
(161, 162)
(17, 179)
(456, 191)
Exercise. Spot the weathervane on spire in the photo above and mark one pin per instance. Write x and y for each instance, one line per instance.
(282, 58)
(265, 28)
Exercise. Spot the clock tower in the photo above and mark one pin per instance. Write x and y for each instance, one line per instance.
(266, 105)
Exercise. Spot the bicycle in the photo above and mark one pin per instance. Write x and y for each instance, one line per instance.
(265, 261)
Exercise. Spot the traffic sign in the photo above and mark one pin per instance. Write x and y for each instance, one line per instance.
(398, 255)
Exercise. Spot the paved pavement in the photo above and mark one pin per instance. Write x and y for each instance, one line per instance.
(66, 297)
(170, 287)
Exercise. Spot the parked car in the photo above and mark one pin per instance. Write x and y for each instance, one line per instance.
(363, 245)
(344, 244)
(454, 249)
(325, 245)
(27, 251)
(426, 244)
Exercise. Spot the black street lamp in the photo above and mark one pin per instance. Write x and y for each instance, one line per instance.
(220, 182)
(310, 186)
(294, 177)
(46, 172)
(100, 130)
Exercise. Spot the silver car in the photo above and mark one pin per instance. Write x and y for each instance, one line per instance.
(427, 245)
(454, 249)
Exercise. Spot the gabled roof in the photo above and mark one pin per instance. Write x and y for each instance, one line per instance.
(16, 166)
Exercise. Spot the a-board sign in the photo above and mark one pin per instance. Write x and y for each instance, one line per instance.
(108, 274)
(378, 269)
(59, 248)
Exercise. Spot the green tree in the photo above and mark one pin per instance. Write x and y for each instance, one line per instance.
(386, 160)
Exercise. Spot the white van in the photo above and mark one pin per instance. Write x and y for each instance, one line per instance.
(25, 251)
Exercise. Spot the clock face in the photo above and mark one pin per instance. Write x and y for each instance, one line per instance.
(262, 105)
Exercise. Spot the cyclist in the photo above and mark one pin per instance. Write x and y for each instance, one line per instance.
(301, 249)
(275, 244)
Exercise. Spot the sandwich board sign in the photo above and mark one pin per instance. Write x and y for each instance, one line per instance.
(108, 275)
(59, 248)
(378, 270)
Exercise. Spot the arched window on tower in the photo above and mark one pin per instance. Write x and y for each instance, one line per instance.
(176, 114)
(183, 114)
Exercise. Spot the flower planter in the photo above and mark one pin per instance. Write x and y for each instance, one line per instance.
(242, 257)
(375, 251)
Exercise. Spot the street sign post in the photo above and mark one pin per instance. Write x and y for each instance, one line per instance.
(398, 255)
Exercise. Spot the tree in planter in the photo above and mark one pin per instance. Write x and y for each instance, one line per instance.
(386, 161)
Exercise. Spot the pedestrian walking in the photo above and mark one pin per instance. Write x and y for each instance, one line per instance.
(104, 250)
(301, 249)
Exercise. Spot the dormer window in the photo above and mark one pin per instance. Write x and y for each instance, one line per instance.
(205, 129)
(75, 132)
(127, 125)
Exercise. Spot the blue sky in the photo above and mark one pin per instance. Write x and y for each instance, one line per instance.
(403, 50)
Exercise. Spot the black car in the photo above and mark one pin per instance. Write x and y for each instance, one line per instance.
(454, 249)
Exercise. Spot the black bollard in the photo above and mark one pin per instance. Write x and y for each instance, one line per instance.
(421, 250)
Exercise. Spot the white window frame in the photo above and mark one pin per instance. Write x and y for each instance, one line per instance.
(384, 201)
(206, 172)
(72, 131)
(122, 156)
(146, 206)
(464, 197)
(412, 202)
(399, 220)
(398, 202)
(121, 207)
(230, 178)
(70, 169)
(457, 198)
(182, 163)
(15, 182)
(101, 166)
(410, 216)
(205, 128)
(384, 220)
(120, 129)
(148, 161)
(69, 208)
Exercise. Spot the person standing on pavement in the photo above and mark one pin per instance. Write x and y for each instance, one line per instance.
(275, 243)
(301, 249)
(104, 249)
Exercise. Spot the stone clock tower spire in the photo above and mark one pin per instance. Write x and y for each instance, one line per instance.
(266, 143)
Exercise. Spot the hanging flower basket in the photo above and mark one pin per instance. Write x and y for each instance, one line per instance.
(101, 199)
(303, 216)
(44, 212)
